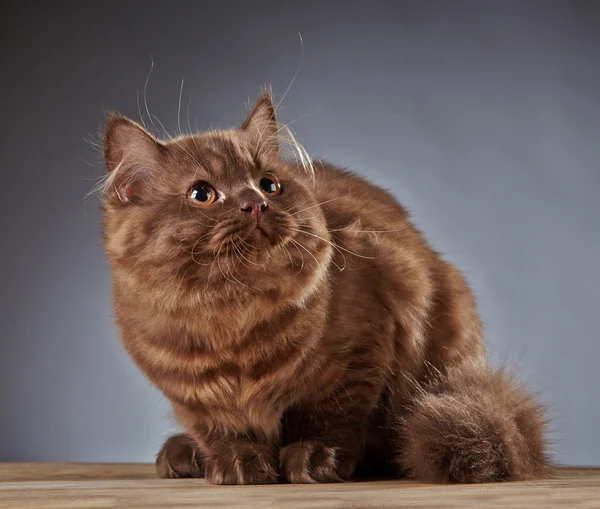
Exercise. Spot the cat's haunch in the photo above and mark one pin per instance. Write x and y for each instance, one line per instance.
(301, 326)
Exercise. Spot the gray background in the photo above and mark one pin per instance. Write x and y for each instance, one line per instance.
(482, 117)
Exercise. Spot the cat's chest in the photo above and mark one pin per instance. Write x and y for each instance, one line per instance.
(241, 382)
(223, 387)
(229, 397)
(247, 378)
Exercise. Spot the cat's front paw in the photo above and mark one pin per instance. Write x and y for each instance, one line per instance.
(312, 462)
(179, 457)
(242, 463)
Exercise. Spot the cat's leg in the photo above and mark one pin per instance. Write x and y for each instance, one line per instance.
(324, 449)
(241, 460)
(324, 441)
(235, 460)
(179, 457)
(235, 457)
(473, 425)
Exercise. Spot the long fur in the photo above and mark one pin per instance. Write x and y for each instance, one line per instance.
(474, 424)
(320, 338)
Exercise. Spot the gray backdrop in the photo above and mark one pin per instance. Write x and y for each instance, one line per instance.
(482, 117)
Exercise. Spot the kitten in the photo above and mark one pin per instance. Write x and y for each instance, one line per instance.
(302, 328)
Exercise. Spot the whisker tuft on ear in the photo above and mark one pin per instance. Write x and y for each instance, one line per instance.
(294, 149)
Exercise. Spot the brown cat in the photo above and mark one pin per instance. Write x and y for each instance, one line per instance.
(301, 326)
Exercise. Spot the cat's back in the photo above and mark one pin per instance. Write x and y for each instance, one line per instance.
(388, 265)
(367, 219)
(381, 261)
(345, 197)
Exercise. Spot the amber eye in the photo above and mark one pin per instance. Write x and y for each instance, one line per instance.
(270, 184)
(202, 194)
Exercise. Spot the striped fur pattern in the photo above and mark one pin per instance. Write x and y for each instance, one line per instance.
(326, 340)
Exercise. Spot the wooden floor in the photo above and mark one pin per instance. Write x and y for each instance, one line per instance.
(73, 486)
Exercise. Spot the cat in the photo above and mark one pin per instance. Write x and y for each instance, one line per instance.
(301, 326)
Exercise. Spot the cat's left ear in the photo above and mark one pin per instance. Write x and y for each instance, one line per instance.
(133, 154)
(261, 125)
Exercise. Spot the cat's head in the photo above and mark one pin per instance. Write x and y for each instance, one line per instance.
(219, 214)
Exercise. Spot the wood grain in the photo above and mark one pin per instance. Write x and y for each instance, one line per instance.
(75, 486)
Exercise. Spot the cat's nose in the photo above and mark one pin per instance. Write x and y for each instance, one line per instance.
(257, 209)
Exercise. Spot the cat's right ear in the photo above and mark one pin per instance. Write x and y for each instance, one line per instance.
(262, 126)
(130, 153)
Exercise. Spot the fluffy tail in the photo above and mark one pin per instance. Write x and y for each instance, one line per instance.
(473, 425)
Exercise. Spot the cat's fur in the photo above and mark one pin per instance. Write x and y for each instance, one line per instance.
(334, 342)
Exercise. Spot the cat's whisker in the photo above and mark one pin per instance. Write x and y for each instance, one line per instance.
(237, 271)
(241, 254)
(193, 257)
(311, 217)
(190, 132)
(175, 140)
(179, 108)
(218, 260)
(249, 246)
(182, 199)
(295, 74)
(208, 218)
(335, 246)
(280, 128)
(212, 265)
(232, 266)
(341, 269)
(140, 109)
(301, 255)
(145, 94)
(193, 250)
(316, 205)
(299, 152)
(318, 264)
(352, 230)
(153, 117)
(230, 272)
(284, 248)
(289, 209)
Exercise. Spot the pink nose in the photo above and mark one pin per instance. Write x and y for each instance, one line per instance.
(256, 209)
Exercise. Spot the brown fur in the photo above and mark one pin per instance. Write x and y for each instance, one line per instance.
(335, 342)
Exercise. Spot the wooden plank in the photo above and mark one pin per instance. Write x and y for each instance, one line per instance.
(75, 471)
(75, 486)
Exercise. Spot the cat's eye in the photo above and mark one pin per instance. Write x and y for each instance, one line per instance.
(202, 194)
(269, 183)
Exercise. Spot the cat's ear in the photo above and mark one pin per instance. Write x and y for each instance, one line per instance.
(131, 153)
(262, 127)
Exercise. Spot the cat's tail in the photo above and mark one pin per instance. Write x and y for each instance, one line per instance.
(474, 424)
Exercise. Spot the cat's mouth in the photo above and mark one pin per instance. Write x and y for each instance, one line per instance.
(259, 231)
(262, 235)
(250, 239)
(268, 231)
